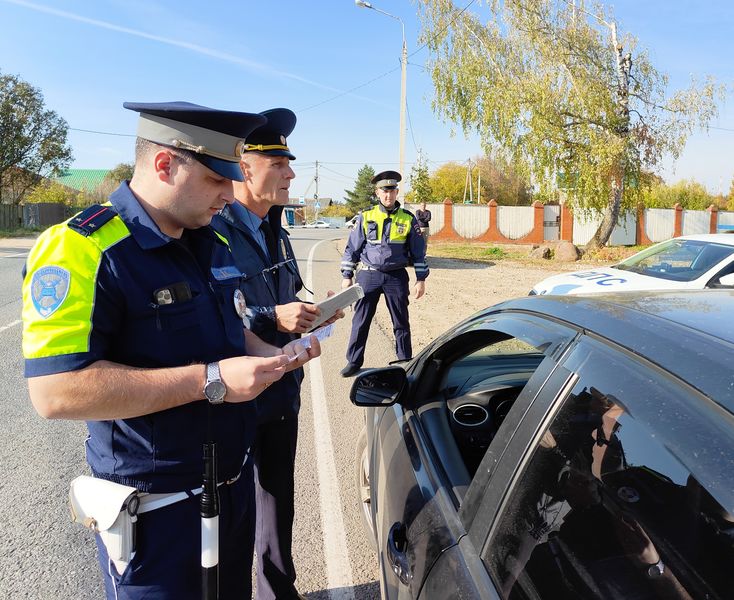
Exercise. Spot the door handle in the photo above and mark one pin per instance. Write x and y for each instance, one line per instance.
(396, 546)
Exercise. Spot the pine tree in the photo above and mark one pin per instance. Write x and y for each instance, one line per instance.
(362, 195)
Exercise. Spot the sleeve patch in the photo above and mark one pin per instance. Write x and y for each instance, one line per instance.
(49, 289)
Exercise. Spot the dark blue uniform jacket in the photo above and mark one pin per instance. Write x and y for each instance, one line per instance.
(159, 452)
(264, 288)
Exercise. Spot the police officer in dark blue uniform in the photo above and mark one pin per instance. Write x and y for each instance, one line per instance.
(385, 239)
(262, 250)
(132, 321)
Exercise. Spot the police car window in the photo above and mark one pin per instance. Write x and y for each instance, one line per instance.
(627, 493)
(677, 260)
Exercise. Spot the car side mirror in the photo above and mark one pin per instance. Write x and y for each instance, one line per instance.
(726, 280)
(378, 387)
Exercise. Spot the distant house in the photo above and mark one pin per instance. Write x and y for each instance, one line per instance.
(83, 180)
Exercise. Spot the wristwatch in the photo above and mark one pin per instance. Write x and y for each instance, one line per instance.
(214, 388)
(655, 571)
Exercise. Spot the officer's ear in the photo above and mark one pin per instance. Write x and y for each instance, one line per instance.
(245, 168)
(163, 165)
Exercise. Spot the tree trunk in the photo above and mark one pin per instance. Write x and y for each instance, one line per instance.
(609, 220)
(611, 211)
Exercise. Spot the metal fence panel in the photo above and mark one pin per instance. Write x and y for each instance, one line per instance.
(43, 214)
(625, 233)
(471, 221)
(726, 221)
(659, 224)
(695, 221)
(585, 226)
(515, 222)
(11, 216)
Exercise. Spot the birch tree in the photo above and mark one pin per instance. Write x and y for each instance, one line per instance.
(555, 87)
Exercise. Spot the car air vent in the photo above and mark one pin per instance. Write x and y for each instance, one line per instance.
(470, 415)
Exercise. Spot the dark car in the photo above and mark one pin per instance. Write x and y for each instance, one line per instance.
(557, 447)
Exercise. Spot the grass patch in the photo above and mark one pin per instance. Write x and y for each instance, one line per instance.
(483, 252)
(477, 252)
(21, 232)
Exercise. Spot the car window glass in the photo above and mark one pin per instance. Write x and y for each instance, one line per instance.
(481, 386)
(627, 493)
(677, 260)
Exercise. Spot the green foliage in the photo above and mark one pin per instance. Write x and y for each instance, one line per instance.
(499, 180)
(337, 210)
(420, 182)
(33, 142)
(448, 182)
(689, 194)
(122, 172)
(362, 195)
(552, 89)
(55, 193)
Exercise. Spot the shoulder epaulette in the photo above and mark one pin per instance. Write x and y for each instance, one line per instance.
(91, 219)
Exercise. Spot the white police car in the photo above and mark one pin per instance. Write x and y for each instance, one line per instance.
(688, 262)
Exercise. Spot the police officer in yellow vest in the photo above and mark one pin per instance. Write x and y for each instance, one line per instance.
(385, 239)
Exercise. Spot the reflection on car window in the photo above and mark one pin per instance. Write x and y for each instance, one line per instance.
(677, 260)
(626, 495)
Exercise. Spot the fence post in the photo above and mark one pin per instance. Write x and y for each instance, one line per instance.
(566, 233)
(447, 231)
(678, 226)
(713, 218)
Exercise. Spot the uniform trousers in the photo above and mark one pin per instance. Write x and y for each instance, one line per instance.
(167, 561)
(275, 457)
(394, 285)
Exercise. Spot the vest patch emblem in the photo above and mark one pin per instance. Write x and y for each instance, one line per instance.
(401, 228)
(49, 289)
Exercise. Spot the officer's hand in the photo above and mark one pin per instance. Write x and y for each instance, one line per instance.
(248, 376)
(420, 289)
(299, 352)
(295, 317)
(347, 282)
(339, 314)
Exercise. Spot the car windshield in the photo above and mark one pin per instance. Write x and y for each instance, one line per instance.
(677, 260)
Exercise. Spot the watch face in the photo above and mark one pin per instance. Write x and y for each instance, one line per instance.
(214, 391)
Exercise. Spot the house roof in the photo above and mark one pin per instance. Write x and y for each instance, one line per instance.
(86, 180)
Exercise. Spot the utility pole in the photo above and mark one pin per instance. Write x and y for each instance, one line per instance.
(316, 180)
(403, 83)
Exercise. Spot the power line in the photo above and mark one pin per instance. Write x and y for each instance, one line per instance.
(387, 72)
(103, 132)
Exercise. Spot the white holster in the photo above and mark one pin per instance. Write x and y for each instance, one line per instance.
(110, 510)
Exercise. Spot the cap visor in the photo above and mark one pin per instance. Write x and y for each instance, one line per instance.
(225, 168)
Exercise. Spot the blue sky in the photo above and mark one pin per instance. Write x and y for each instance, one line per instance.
(336, 65)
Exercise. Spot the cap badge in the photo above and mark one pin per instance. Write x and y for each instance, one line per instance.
(282, 139)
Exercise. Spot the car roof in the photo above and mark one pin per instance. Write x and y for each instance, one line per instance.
(688, 333)
(718, 238)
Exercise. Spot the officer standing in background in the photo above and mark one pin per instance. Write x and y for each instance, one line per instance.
(385, 239)
(423, 215)
(132, 321)
(262, 251)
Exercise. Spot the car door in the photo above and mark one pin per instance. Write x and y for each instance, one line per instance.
(617, 483)
(418, 473)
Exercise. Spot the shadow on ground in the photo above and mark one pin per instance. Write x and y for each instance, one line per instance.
(365, 591)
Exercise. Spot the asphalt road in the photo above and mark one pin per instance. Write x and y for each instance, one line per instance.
(46, 556)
